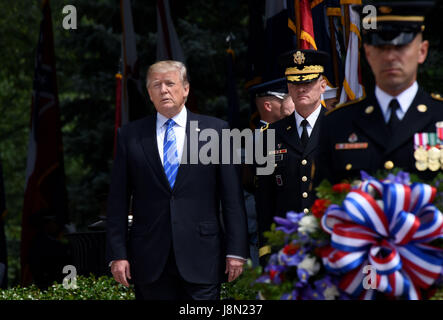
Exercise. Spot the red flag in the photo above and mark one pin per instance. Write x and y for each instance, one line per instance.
(307, 40)
(45, 189)
(118, 107)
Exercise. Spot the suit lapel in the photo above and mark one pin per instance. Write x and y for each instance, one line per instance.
(149, 145)
(413, 121)
(288, 132)
(315, 134)
(372, 123)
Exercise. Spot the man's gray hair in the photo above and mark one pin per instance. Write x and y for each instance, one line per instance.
(167, 66)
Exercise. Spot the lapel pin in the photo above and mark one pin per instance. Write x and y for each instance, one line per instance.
(369, 109)
(422, 108)
(353, 138)
(288, 128)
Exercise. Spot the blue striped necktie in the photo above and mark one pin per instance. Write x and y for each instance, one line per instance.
(170, 157)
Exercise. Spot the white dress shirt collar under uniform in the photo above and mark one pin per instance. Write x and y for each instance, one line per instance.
(311, 120)
(404, 99)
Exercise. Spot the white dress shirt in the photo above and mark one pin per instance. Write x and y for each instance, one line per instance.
(311, 121)
(404, 99)
(179, 131)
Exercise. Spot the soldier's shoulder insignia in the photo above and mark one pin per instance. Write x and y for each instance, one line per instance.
(437, 96)
(346, 104)
(264, 127)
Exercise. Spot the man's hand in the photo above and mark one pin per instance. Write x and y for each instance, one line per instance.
(120, 271)
(234, 268)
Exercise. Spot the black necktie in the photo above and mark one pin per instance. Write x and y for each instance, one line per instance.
(304, 134)
(393, 120)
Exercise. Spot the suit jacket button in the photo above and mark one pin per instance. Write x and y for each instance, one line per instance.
(305, 195)
(306, 210)
(304, 162)
(348, 167)
(304, 178)
(389, 165)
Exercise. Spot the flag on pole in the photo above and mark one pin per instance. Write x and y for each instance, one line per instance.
(118, 107)
(3, 250)
(129, 57)
(45, 188)
(168, 44)
(231, 84)
(279, 38)
(255, 56)
(323, 14)
(130, 97)
(352, 84)
(307, 37)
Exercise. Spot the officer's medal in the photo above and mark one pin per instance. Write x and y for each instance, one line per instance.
(420, 153)
(433, 152)
(421, 165)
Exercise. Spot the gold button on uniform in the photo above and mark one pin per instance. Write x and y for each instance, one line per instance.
(422, 108)
(389, 165)
(305, 195)
(306, 210)
(348, 166)
(369, 109)
(304, 162)
(304, 178)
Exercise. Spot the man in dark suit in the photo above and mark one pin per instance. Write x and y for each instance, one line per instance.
(289, 188)
(383, 130)
(179, 246)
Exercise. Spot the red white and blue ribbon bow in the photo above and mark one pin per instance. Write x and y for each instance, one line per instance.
(387, 226)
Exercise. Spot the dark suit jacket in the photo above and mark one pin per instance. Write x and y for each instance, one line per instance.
(186, 217)
(290, 187)
(378, 146)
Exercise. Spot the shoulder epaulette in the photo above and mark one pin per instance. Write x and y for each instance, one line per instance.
(437, 96)
(349, 103)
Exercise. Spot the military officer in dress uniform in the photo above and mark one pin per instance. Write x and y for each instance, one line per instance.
(378, 131)
(289, 188)
(268, 97)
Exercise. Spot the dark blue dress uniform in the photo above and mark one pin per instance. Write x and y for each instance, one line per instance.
(357, 136)
(290, 186)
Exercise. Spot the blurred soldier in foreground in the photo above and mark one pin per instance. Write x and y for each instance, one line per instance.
(396, 124)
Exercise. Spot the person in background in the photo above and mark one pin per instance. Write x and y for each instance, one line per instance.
(287, 106)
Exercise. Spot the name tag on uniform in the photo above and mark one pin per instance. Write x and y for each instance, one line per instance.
(278, 151)
(351, 146)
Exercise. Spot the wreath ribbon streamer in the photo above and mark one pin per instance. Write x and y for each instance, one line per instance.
(388, 226)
